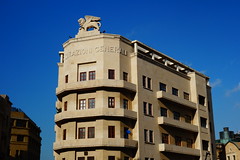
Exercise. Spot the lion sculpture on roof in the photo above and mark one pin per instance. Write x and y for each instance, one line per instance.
(89, 22)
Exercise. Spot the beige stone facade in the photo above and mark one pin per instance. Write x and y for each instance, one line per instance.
(232, 151)
(123, 100)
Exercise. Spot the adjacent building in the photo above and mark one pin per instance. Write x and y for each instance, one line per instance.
(5, 110)
(25, 137)
(123, 100)
(232, 150)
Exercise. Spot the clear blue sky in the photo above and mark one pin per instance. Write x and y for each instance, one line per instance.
(204, 34)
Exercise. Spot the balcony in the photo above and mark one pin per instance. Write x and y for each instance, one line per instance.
(178, 149)
(96, 112)
(177, 124)
(95, 142)
(95, 84)
(176, 99)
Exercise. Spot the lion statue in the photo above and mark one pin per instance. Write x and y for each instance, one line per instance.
(89, 22)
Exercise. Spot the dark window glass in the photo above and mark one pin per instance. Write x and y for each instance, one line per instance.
(81, 158)
(125, 76)
(144, 81)
(65, 106)
(92, 75)
(165, 138)
(178, 141)
(111, 157)
(188, 119)
(163, 112)
(21, 123)
(126, 132)
(83, 76)
(189, 143)
(111, 102)
(162, 87)
(66, 79)
(176, 115)
(145, 108)
(150, 112)
(111, 74)
(90, 158)
(149, 83)
(150, 136)
(91, 103)
(20, 138)
(64, 134)
(203, 122)
(125, 103)
(81, 133)
(201, 100)
(205, 145)
(145, 135)
(186, 95)
(111, 131)
(91, 132)
(175, 91)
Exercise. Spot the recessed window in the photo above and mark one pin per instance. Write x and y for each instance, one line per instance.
(90, 158)
(145, 135)
(201, 100)
(125, 76)
(111, 157)
(64, 134)
(144, 82)
(162, 87)
(66, 78)
(163, 112)
(92, 75)
(21, 123)
(147, 82)
(83, 76)
(175, 91)
(81, 133)
(189, 143)
(165, 138)
(125, 103)
(82, 104)
(188, 119)
(203, 122)
(147, 109)
(111, 102)
(91, 132)
(186, 95)
(91, 103)
(111, 131)
(150, 136)
(176, 116)
(205, 145)
(126, 132)
(65, 106)
(81, 158)
(111, 74)
(178, 141)
(20, 138)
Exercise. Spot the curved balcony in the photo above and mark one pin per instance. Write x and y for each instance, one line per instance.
(95, 142)
(96, 84)
(179, 149)
(177, 124)
(176, 99)
(96, 112)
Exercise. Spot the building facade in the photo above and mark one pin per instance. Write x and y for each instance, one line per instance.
(25, 141)
(232, 150)
(5, 110)
(123, 100)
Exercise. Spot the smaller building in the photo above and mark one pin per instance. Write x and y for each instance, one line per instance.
(232, 150)
(25, 137)
(5, 110)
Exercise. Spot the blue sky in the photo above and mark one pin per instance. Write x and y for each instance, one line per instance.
(203, 34)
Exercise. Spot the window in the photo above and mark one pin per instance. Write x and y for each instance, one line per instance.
(111, 102)
(63, 158)
(65, 106)
(188, 119)
(66, 78)
(150, 136)
(81, 133)
(186, 96)
(228, 157)
(189, 143)
(145, 135)
(234, 157)
(147, 82)
(83, 76)
(178, 141)
(21, 123)
(147, 109)
(165, 138)
(111, 157)
(82, 104)
(162, 87)
(126, 132)
(92, 75)
(150, 112)
(205, 145)
(175, 91)
(125, 76)
(144, 81)
(203, 122)
(91, 103)
(111, 74)
(176, 116)
(111, 131)
(81, 158)
(20, 138)
(201, 100)
(90, 158)
(163, 112)
(64, 134)
(125, 103)
(126, 158)
(91, 132)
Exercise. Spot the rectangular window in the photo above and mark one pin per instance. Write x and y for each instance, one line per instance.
(165, 138)
(186, 95)
(111, 131)
(150, 136)
(20, 138)
(21, 123)
(91, 103)
(149, 83)
(111, 157)
(145, 135)
(150, 111)
(111, 102)
(91, 132)
(90, 158)
(188, 119)
(189, 143)
(126, 158)
(151, 158)
(83, 76)
(144, 82)
(203, 122)
(63, 159)
(146, 158)
(126, 132)
(82, 104)
(65, 106)
(81, 158)
(178, 141)
(145, 108)
(111, 74)
(205, 145)
(175, 91)
(163, 112)
(125, 103)
(234, 157)
(176, 116)
(81, 133)
(201, 100)
(66, 79)
(125, 76)
(162, 87)
(92, 75)
(64, 134)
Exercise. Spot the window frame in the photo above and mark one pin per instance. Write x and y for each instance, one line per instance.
(175, 91)
(111, 131)
(125, 104)
(111, 102)
(91, 75)
(165, 138)
(162, 87)
(91, 103)
(163, 113)
(176, 115)
(65, 105)
(64, 134)
(125, 76)
(82, 104)
(91, 132)
(111, 74)
(83, 76)
(82, 133)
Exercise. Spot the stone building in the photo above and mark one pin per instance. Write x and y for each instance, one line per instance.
(25, 141)
(123, 100)
(5, 110)
(232, 150)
